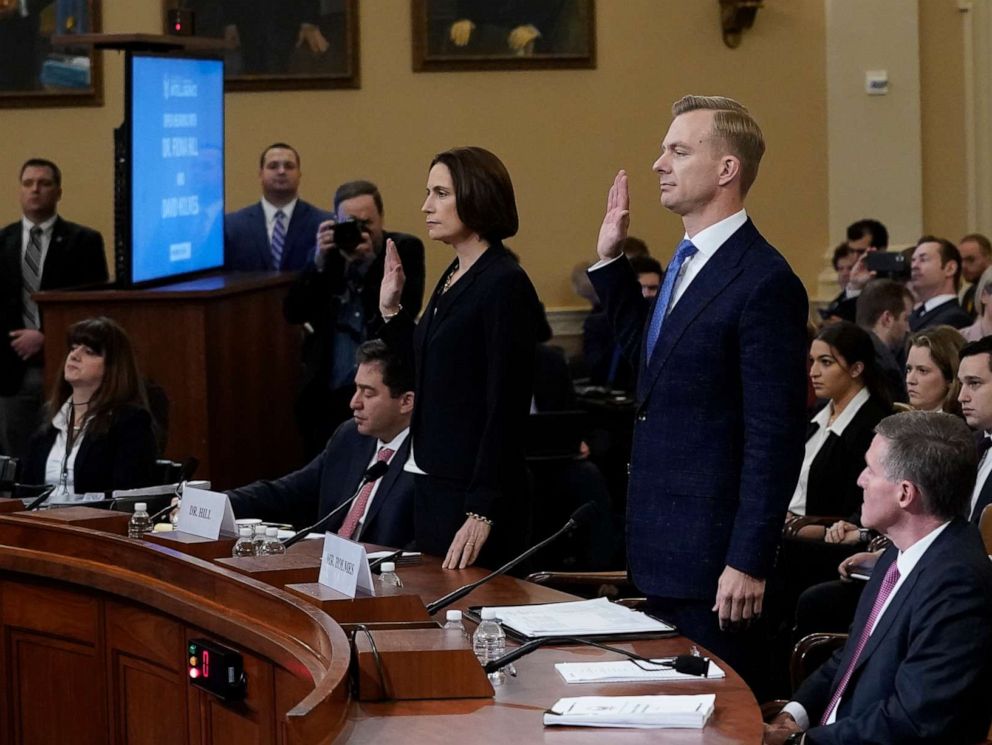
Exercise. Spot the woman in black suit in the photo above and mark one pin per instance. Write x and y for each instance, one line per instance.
(843, 370)
(99, 435)
(474, 354)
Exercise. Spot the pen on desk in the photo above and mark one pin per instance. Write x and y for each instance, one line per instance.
(392, 557)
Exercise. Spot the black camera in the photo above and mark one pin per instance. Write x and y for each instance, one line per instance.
(348, 234)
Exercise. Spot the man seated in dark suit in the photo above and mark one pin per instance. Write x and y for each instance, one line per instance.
(975, 376)
(936, 276)
(883, 310)
(382, 405)
(279, 231)
(41, 251)
(917, 666)
(336, 298)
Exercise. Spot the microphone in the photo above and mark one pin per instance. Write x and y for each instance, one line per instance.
(582, 515)
(375, 472)
(37, 502)
(687, 664)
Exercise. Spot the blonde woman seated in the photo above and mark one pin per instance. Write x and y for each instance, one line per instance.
(842, 370)
(932, 385)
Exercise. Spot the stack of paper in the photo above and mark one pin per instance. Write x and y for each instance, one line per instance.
(625, 671)
(579, 618)
(641, 712)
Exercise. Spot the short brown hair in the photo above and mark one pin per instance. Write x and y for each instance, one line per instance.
(881, 295)
(735, 127)
(278, 146)
(483, 191)
(984, 245)
(948, 252)
(122, 384)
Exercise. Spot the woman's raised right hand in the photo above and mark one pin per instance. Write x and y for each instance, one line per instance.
(393, 279)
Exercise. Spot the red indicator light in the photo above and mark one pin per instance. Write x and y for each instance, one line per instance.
(206, 664)
(194, 673)
(179, 26)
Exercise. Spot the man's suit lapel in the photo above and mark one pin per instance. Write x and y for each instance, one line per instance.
(260, 232)
(12, 255)
(719, 272)
(395, 468)
(55, 257)
(295, 240)
(357, 460)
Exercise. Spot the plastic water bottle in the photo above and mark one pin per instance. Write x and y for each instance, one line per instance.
(489, 643)
(388, 576)
(453, 622)
(258, 538)
(244, 546)
(272, 543)
(140, 523)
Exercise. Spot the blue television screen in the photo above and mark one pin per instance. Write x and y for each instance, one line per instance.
(176, 116)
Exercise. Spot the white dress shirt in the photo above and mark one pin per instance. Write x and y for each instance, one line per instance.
(933, 302)
(270, 215)
(706, 241)
(906, 561)
(815, 443)
(60, 464)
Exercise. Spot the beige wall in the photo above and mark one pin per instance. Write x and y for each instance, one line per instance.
(562, 134)
(942, 96)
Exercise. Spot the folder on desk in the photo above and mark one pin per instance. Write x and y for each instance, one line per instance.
(591, 619)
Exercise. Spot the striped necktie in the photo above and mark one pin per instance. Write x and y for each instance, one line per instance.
(357, 510)
(31, 279)
(278, 239)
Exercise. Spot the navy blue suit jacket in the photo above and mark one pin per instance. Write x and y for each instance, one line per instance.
(246, 239)
(949, 313)
(305, 496)
(925, 674)
(721, 416)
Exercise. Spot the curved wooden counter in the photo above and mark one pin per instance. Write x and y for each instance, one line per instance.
(95, 628)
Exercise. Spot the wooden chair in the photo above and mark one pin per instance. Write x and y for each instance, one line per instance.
(985, 526)
(809, 653)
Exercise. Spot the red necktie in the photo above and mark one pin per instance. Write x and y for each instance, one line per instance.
(350, 523)
(888, 582)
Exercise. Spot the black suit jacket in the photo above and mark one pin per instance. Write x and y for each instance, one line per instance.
(123, 457)
(833, 476)
(75, 257)
(304, 496)
(474, 356)
(985, 494)
(315, 299)
(925, 674)
(949, 313)
(246, 238)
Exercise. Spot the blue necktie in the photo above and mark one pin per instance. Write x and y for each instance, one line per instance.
(683, 252)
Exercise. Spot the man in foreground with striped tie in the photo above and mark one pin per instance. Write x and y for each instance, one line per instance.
(917, 665)
(720, 356)
(41, 251)
(382, 512)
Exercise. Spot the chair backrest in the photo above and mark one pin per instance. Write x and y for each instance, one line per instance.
(985, 526)
(9, 471)
(810, 652)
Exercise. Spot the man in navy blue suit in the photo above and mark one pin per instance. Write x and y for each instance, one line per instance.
(382, 405)
(917, 665)
(280, 231)
(721, 384)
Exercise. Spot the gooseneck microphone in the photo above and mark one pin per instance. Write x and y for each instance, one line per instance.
(39, 500)
(375, 472)
(581, 516)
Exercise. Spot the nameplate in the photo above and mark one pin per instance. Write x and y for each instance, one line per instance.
(344, 566)
(206, 514)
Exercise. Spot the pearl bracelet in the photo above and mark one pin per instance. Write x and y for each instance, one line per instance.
(481, 518)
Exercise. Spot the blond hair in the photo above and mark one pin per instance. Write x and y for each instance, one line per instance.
(734, 126)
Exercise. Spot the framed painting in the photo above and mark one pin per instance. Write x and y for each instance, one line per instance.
(453, 35)
(39, 65)
(280, 44)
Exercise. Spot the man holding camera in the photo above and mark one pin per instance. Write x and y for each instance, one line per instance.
(335, 299)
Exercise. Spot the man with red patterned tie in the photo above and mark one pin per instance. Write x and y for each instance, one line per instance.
(382, 512)
(917, 665)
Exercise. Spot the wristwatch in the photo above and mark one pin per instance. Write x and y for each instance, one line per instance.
(795, 738)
